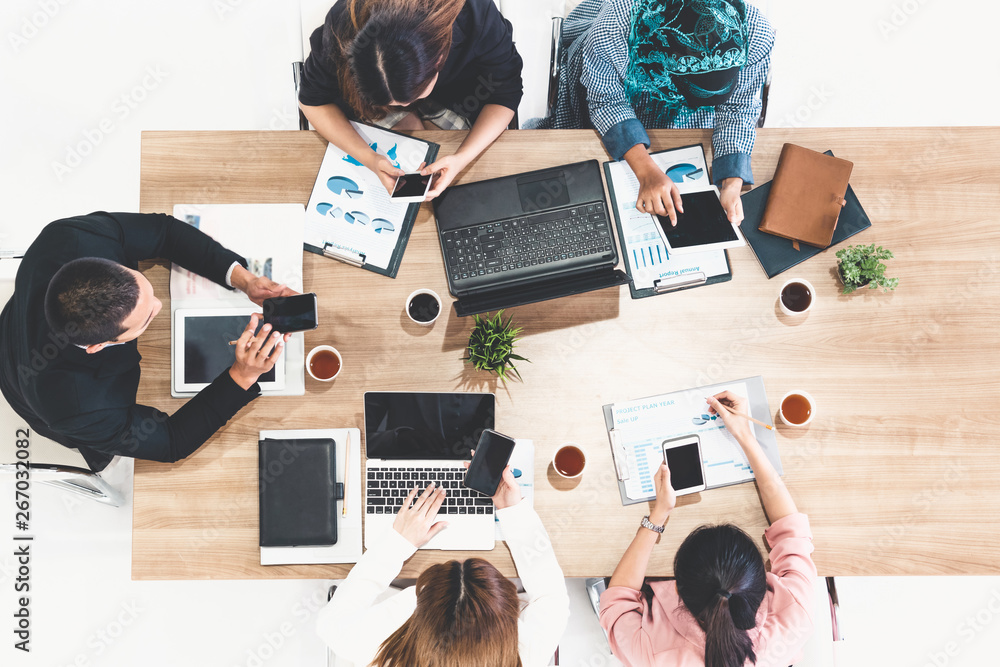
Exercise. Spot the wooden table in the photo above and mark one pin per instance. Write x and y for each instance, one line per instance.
(898, 472)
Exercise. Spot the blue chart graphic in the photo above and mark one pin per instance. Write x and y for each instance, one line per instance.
(648, 256)
(644, 452)
(382, 226)
(391, 154)
(679, 173)
(357, 217)
(341, 185)
(703, 419)
(324, 208)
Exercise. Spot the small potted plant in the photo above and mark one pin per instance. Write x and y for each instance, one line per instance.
(862, 265)
(491, 346)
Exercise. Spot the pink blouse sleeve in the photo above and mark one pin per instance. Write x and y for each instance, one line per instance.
(622, 612)
(791, 545)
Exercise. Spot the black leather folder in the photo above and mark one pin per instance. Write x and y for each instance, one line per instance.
(298, 492)
(777, 254)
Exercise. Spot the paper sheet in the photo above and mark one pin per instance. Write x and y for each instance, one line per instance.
(523, 463)
(647, 256)
(269, 237)
(643, 425)
(350, 208)
(348, 546)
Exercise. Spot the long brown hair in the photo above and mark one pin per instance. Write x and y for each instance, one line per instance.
(466, 615)
(390, 50)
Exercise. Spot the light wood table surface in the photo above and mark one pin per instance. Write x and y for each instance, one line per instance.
(899, 471)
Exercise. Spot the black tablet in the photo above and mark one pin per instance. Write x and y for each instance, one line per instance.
(703, 225)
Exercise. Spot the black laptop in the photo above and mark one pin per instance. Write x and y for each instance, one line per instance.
(528, 237)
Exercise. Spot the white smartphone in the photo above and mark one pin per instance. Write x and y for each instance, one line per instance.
(683, 457)
(411, 188)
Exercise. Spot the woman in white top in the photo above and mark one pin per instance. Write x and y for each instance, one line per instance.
(460, 613)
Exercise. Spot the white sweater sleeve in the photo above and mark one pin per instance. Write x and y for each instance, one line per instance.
(352, 625)
(544, 618)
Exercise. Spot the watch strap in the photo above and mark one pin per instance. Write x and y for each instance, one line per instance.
(646, 523)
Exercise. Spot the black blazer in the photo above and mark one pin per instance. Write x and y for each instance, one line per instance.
(87, 401)
(482, 67)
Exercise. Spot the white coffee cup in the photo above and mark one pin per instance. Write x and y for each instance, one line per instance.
(812, 297)
(567, 445)
(418, 292)
(324, 348)
(812, 409)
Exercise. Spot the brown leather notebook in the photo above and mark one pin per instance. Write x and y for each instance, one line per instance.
(806, 197)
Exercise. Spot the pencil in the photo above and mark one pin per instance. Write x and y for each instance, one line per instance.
(347, 471)
(746, 416)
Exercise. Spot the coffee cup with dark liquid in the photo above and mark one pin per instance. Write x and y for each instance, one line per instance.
(569, 461)
(423, 307)
(797, 408)
(324, 363)
(796, 297)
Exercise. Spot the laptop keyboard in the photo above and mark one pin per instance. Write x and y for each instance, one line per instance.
(504, 246)
(388, 488)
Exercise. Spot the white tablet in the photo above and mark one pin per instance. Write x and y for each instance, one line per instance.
(703, 225)
(202, 350)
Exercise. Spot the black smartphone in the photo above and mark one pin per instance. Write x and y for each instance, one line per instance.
(491, 457)
(292, 313)
(411, 188)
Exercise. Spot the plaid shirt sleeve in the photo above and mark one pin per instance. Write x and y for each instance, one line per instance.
(605, 61)
(736, 120)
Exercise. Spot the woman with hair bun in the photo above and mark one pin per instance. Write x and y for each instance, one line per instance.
(400, 64)
(723, 609)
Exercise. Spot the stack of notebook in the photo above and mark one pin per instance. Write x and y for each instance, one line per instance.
(810, 201)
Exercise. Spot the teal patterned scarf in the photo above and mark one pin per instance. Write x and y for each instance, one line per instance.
(685, 39)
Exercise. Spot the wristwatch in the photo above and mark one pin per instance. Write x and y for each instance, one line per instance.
(646, 523)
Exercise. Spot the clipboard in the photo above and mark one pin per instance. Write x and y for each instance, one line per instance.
(660, 286)
(758, 407)
(348, 256)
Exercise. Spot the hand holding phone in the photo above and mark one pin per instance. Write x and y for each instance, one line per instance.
(292, 313)
(489, 461)
(411, 188)
(683, 457)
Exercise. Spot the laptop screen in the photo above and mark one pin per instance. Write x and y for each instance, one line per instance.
(403, 425)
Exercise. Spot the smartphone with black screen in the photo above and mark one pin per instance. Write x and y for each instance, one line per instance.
(491, 457)
(288, 314)
(411, 188)
(683, 457)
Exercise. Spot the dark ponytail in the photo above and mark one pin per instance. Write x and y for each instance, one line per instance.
(722, 581)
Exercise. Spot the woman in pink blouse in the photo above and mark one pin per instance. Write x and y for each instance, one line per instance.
(723, 609)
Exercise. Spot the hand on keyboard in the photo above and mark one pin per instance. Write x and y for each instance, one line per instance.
(417, 522)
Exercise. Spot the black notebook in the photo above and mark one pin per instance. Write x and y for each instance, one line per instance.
(776, 254)
(298, 492)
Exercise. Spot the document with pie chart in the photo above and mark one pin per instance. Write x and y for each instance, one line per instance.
(645, 255)
(350, 213)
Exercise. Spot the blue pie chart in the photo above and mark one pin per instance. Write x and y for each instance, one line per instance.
(358, 217)
(682, 172)
(383, 226)
(341, 185)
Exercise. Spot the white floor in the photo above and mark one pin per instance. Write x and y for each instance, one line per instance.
(82, 79)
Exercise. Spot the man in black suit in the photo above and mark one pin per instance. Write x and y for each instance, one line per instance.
(70, 363)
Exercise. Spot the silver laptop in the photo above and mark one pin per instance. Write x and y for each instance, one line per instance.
(414, 438)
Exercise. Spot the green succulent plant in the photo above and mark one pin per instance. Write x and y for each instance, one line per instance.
(862, 265)
(491, 346)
